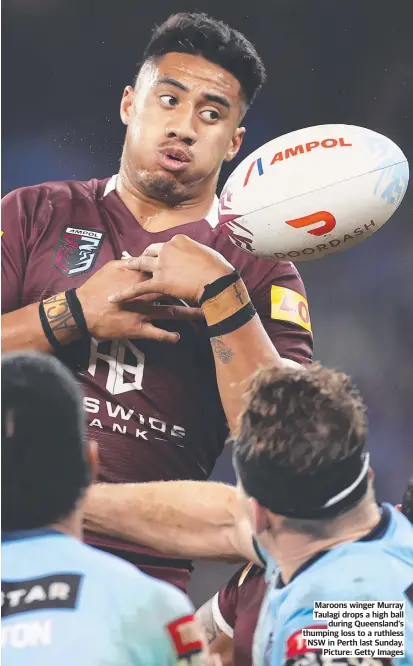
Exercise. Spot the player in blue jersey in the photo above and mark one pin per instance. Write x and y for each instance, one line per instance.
(407, 501)
(306, 494)
(63, 602)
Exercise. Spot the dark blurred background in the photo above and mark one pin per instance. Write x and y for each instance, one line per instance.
(65, 64)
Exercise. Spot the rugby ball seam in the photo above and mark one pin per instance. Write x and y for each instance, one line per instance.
(318, 189)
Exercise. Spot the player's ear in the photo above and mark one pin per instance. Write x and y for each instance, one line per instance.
(126, 104)
(235, 144)
(93, 456)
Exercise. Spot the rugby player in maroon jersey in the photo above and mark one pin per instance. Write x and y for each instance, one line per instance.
(153, 407)
(230, 617)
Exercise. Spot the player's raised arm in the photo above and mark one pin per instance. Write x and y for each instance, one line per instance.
(188, 270)
(58, 320)
(21, 326)
(179, 518)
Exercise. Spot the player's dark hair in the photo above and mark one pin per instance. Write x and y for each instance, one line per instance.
(45, 468)
(407, 502)
(300, 426)
(198, 34)
(304, 419)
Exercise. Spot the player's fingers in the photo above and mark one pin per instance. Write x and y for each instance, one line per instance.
(149, 298)
(151, 332)
(144, 263)
(135, 290)
(174, 312)
(153, 250)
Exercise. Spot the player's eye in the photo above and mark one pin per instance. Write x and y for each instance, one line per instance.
(210, 115)
(169, 100)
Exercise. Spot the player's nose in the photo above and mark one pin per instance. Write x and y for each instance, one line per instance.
(181, 127)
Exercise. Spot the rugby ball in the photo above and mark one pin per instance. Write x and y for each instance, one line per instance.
(313, 192)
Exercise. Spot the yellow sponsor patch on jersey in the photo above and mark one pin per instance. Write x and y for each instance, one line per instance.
(289, 305)
(1, 233)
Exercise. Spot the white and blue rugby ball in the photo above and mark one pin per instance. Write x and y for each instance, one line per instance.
(312, 192)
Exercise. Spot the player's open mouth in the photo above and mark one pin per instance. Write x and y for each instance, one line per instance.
(174, 159)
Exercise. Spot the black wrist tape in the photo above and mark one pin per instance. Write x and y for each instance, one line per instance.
(232, 323)
(219, 285)
(77, 311)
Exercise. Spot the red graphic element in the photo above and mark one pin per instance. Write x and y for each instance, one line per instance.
(288, 305)
(297, 645)
(247, 177)
(303, 312)
(322, 216)
(186, 635)
(233, 229)
(68, 246)
(229, 226)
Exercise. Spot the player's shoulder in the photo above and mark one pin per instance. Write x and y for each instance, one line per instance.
(56, 192)
(354, 570)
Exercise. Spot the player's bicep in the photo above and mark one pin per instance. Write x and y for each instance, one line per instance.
(14, 242)
(282, 305)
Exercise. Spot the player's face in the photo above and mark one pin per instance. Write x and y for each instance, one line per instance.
(182, 122)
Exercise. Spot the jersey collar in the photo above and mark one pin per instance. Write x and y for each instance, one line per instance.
(17, 535)
(376, 533)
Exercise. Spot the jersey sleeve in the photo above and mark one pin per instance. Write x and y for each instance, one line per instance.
(225, 602)
(281, 302)
(166, 630)
(16, 214)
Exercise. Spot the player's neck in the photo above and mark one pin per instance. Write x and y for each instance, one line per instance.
(292, 549)
(72, 525)
(155, 215)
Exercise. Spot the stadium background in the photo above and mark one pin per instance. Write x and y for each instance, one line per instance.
(329, 61)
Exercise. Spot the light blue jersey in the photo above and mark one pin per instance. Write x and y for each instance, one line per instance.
(67, 604)
(378, 567)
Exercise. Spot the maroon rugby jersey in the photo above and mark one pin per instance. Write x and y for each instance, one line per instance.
(236, 608)
(154, 408)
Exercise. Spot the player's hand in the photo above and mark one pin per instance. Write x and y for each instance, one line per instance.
(180, 267)
(108, 321)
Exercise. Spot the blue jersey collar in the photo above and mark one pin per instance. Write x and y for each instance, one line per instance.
(376, 533)
(16, 535)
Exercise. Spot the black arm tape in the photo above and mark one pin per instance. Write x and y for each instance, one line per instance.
(234, 322)
(219, 285)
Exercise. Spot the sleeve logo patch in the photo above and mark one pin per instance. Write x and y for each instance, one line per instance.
(289, 305)
(297, 645)
(186, 635)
